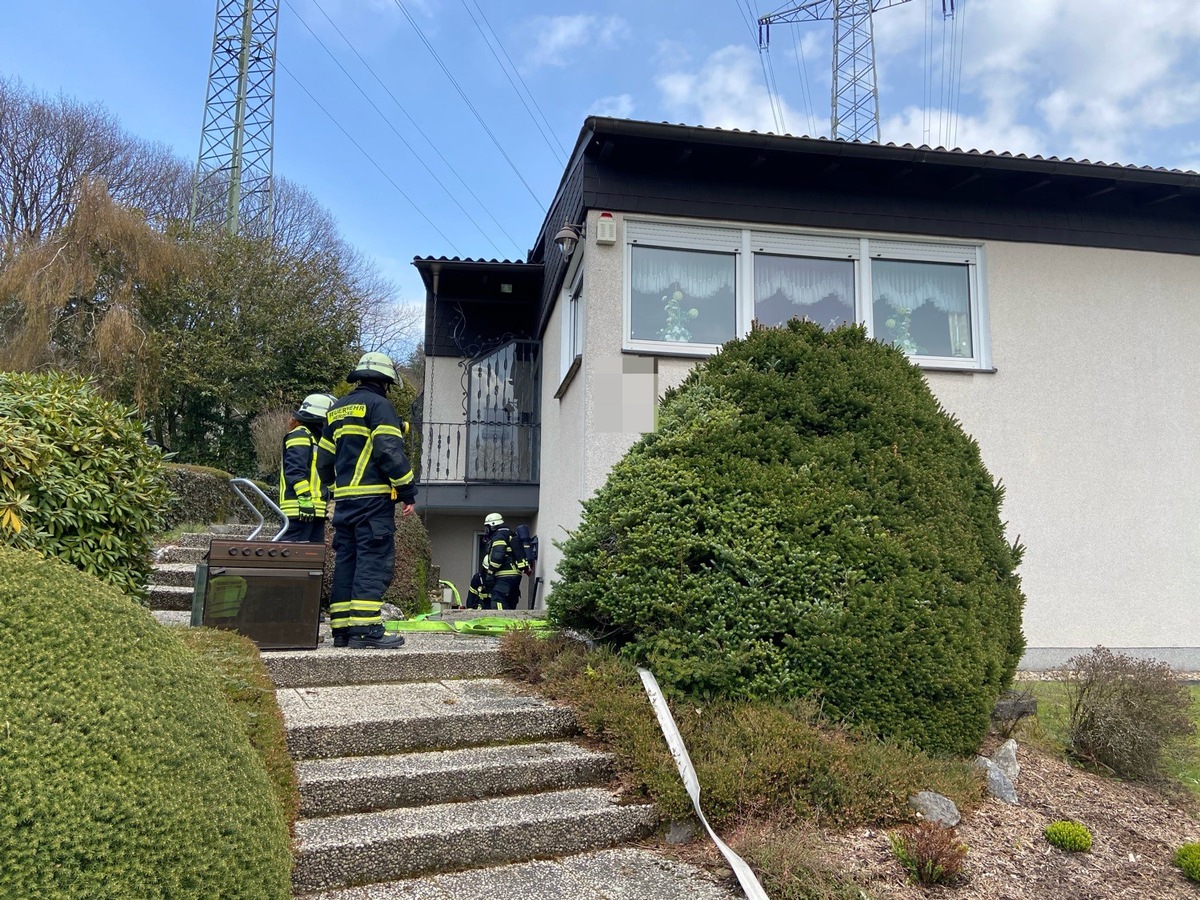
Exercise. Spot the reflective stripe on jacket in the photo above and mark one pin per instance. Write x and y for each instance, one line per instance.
(298, 476)
(361, 451)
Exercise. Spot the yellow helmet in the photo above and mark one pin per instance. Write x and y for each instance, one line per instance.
(493, 519)
(377, 366)
(314, 409)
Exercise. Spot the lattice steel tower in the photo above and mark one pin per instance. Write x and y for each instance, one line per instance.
(233, 173)
(855, 96)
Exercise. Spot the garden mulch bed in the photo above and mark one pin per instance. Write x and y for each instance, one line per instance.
(1135, 834)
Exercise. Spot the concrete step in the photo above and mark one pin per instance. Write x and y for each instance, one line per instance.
(425, 657)
(384, 846)
(620, 874)
(361, 784)
(173, 574)
(363, 720)
(178, 553)
(172, 616)
(194, 540)
(170, 597)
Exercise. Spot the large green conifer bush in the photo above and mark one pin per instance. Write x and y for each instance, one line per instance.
(807, 521)
(97, 493)
(125, 772)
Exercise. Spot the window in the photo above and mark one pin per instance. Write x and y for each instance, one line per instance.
(693, 288)
(571, 353)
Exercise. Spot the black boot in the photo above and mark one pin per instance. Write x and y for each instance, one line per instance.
(376, 639)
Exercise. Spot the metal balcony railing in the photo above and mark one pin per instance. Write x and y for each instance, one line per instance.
(492, 452)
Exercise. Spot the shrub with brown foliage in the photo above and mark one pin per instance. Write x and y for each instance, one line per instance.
(1126, 713)
(930, 853)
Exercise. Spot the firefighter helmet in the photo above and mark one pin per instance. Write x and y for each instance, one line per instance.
(376, 366)
(314, 409)
(493, 519)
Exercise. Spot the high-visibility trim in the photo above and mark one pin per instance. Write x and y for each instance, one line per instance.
(358, 410)
(389, 429)
(342, 606)
(365, 620)
(366, 605)
(363, 459)
(360, 490)
(403, 479)
(298, 441)
(303, 487)
(348, 428)
(327, 445)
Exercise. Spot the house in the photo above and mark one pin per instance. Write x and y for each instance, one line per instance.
(1053, 304)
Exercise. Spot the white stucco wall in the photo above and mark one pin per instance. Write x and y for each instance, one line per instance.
(1092, 421)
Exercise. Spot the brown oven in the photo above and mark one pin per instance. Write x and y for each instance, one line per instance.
(269, 591)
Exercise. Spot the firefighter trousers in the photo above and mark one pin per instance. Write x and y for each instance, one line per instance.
(364, 546)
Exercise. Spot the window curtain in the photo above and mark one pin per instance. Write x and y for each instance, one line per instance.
(906, 285)
(804, 282)
(697, 273)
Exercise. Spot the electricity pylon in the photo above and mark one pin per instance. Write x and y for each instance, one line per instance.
(233, 172)
(855, 96)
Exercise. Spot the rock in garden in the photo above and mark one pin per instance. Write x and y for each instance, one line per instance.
(998, 785)
(1006, 758)
(682, 831)
(933, 807)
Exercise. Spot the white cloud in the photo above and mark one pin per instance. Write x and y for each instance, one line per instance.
(990, 132)
(556, 36)
(1097, 76)
(726, 91)
(620, 106)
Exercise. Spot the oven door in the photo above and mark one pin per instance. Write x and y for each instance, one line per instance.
(278, 609)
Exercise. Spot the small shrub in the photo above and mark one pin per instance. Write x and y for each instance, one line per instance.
(527, 654)
(1125, 713)
(930, 853)
(98, 494)
(22, 457)
(1187, 858)
(126, 774)
(807, 521)
(1071, 836)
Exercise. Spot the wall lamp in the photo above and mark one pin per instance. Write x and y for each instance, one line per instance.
(568, 238)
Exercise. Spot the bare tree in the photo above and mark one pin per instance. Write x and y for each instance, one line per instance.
(50, 145)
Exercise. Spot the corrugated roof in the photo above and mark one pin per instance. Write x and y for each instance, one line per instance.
(467, 260)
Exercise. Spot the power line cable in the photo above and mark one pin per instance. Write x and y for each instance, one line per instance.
(414, 123)
(536, 124)
(942, 86)
(962, 45)
(764, 57)
(467, 100)
(370, 158)
(517, 72)
(395, 131)
(749, 24)
(927, 75)
(802, 67)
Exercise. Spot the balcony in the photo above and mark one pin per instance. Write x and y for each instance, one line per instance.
(473, 465)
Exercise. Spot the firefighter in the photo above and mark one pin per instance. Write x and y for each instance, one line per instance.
(361, 453)
(478, 596)
(302, 496)
(503, 564)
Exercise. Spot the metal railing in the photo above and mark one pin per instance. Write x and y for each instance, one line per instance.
(494, 452)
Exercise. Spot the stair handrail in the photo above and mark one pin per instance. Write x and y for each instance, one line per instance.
(246, 482)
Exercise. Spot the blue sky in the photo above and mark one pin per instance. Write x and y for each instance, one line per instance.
(1099, 79)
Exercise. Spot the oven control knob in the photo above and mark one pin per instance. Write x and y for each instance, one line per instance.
(272, 552)
(233, 551)
(245, 551)
(285, 552)
(258, 552)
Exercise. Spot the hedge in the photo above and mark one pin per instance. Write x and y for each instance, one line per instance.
(126, 774)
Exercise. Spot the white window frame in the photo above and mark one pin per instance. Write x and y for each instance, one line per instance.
(679, 237)
(745, 241)
(571, 325)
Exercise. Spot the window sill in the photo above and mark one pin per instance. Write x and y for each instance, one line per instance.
(576, 363)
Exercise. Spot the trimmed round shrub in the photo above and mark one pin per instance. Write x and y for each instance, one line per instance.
(1187, 858)
(1071, 836)
(98, 494)
(126, 774)
(807, 521)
